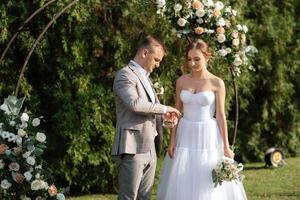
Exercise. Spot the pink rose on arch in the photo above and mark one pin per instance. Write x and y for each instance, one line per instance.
(18, 178)
(14, 166)
(3, 148)
(39, 198)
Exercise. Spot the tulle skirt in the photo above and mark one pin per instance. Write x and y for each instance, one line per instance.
(187, 176)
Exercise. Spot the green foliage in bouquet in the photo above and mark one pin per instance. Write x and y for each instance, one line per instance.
(22, 171)
(227, 170)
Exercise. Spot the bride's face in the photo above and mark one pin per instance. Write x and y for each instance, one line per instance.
(196, 60)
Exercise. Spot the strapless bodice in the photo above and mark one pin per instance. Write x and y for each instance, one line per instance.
(198, 106)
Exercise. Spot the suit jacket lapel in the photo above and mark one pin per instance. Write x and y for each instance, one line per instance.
(136, 71)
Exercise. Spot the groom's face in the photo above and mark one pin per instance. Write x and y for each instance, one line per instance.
(152, 58)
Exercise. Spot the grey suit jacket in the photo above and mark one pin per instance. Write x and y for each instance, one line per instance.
(137, 117)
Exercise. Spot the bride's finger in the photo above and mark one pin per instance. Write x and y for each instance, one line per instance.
(171, 152)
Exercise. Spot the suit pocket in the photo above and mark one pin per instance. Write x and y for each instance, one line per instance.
(130, 140)
(132, 126)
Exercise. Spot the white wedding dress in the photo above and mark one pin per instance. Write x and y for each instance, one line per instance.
(199, 147)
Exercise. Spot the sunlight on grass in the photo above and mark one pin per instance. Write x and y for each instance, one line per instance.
(260, 183)
(273, 184)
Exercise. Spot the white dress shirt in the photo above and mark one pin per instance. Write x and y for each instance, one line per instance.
(145, 76)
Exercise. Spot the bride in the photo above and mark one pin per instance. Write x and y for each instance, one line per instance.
(199, 141)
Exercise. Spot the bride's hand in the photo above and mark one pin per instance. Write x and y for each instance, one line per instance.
(228, 153)
(171, 150)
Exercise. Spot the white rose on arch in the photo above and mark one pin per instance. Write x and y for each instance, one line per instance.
(222, 52)
(181, 22)
(237, 61)
(24, 117)
(235, 42)
(36, 122)
(21, 151)
(28, 175)
(221, 22)
(221, 38)
(160, 3)
(219, 5)
(38, 184)
(159, 88)
(200, 13)
(21, 132)
(177, 7)
(30, 160)
(5, 184)
(60, 196)
(41, 137)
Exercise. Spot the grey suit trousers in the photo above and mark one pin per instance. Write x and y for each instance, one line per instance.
(136, 175)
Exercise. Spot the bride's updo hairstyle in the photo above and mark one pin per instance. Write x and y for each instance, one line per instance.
(196, 44)
(200, 45)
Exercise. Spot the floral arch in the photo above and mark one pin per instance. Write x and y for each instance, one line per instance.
(23, 175)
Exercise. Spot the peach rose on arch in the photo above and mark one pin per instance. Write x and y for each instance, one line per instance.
(197, 5)
(52, 191)
(217, 13)
(220, 30)
(199, 30)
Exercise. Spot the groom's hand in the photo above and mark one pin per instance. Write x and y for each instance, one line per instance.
(171, 118)
(173, 110)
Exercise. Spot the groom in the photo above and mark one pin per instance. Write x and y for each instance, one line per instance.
(139, 119)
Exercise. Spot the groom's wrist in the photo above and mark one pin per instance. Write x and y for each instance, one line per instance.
(165, 109)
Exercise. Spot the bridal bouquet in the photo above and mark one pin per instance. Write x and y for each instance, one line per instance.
(170, 120)
(227, 170)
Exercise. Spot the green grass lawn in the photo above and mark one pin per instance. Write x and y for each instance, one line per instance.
(273, 184)
(260, 183)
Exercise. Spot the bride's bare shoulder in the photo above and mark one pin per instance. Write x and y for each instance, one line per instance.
(182, 79)
(216, 81)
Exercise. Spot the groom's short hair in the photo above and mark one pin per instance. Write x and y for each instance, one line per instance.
(150, 42)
